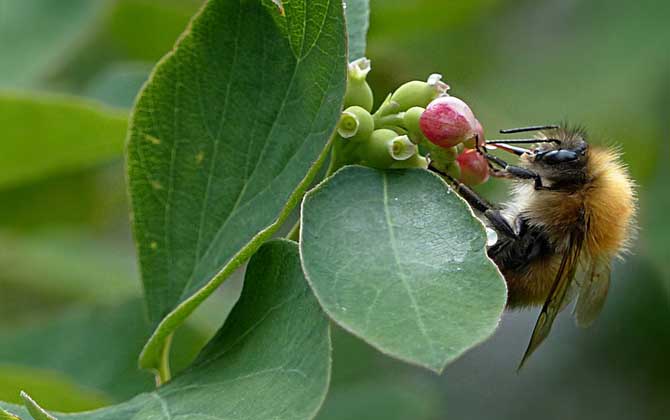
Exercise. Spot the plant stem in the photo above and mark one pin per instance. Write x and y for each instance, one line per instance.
(333, 165)
(164, 374)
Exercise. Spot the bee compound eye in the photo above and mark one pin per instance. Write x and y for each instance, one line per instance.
(560, 156)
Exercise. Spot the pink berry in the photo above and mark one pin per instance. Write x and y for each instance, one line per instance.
(474, 168)
(448, 121)
(471, 143)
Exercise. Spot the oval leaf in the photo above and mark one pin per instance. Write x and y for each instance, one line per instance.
(43, 135)
(398, 259)
(227, 135)
(271, 359)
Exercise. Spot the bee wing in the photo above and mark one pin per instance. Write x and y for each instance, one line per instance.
(593, 292)
(557, 295)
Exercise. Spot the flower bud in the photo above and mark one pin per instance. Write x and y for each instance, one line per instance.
(356, 124)
(471, 143)
(402, 148)
(448, 121)
(376, 152)
(474, 167)
(454, 170)
(410, 120)
(415, 161)
(358, 91)
(418, 93)
(440, 157)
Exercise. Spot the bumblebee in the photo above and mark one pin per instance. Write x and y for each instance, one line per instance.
(571, 213)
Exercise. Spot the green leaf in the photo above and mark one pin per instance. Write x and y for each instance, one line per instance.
(271, 359)
(37, 412)
(226, 136)
(398, 259)
(358, 21)
(81, 357)
(43, 135)
(51, 388)
(34, 36)
(4, 415)
(95, 347)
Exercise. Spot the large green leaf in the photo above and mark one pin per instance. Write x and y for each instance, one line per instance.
(94, 347)
(358, 22)
(398, 259)
(35, 34)
(225, 138)
(43, 135)
(271, 359)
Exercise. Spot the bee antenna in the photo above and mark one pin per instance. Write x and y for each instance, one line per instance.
(522, 141)
(529, 128)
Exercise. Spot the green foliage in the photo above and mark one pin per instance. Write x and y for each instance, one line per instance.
(226, 136)
(275, 343)
(69, 134)
(130, 21)
(52, 388)
(35, 34)
(60, 266)
(84, 345)
(357, 13)
(118, 85)
(257, 94)
(4, 415)
(397, 259)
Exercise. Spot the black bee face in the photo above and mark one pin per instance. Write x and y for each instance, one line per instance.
(562, 160)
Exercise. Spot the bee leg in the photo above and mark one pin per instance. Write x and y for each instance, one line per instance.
(515, 171)
(480, 204)
(498, 173)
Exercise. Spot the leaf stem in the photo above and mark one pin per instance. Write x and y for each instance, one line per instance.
(333, 165)
(163, 375)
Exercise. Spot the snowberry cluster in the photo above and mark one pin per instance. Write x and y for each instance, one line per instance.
(417, 125)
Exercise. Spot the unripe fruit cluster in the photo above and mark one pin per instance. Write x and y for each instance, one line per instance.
(419, 117)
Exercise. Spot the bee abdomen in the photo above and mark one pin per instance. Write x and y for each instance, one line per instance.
(522, 261)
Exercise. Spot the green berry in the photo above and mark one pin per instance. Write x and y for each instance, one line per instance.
(356, 124)
(376, 151)
(416, 161)
(418, 93)
(411, 119)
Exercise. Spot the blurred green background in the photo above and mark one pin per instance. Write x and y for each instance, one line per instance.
(67, 265)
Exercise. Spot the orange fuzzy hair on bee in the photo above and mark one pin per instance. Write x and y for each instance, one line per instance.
(605, 200)
(611, 205)
(606, 197)
(572, 209)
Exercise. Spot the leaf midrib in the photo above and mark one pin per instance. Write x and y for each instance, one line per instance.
(400, 271)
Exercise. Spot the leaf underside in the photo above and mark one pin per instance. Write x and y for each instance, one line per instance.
(398, 259)
(226, 136)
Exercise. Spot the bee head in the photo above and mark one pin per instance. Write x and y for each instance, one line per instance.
(561, 156)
